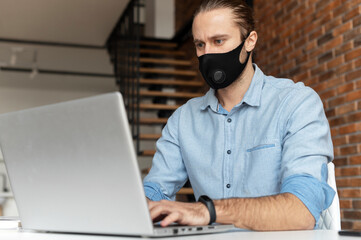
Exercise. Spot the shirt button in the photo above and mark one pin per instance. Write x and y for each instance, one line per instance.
(228, 185)
(229, 152)
(229, 120)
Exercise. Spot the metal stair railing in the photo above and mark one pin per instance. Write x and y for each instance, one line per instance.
(124, 48)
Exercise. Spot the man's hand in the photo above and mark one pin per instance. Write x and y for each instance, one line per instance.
(183, 213)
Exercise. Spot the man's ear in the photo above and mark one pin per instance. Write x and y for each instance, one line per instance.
(251, 41)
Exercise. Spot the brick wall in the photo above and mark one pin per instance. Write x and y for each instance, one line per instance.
(318, 42)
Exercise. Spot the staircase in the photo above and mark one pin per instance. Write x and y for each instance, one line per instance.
(154, 76)
(166, 81)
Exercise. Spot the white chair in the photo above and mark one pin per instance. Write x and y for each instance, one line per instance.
(330, 218)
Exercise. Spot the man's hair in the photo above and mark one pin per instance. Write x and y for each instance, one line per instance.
(243, 14)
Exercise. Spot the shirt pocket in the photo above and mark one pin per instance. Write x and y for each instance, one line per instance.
(263, 168)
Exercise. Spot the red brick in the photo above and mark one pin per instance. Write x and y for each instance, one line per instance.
(354, 117)
(336, 101)
(344, 48)
(328, 94)
(353, 95)
(347, 151)
(350, 193)
(352, 214)
(354, 182)
(342, 182)
(354, 160)
(348, 87)
(338, 141)
(346, 108)
(301, 76)
(351, 35)
(345, 204)
(346, 224)
(350, 171)
(344, 68)
(340, 162)
(353, 127)
(358, 63)
(356, 226)
(356, 53)
(335, 22)
(338, 172)
(330, 113)
(355, 204)
(356, 138)
(356, 21)
(351, 14)
(335, 62)
(339, 120)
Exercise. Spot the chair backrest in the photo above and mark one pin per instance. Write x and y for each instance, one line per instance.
(330, 218)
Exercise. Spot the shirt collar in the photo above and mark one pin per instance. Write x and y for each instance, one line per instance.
(252, 96)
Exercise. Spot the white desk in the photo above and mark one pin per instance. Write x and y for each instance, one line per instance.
(289, 235)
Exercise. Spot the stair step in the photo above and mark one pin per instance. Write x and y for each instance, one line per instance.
(153, 120)
(149, 136)
(147, 153)
(171, 82)
(169, 94)
(149, 106)
(162, 52)
(158, 44)
(167, 61)
(168, 71)
(185, 191)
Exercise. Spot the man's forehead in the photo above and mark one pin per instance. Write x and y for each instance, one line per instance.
(214, 22)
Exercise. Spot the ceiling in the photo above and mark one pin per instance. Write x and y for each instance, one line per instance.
(85, 22)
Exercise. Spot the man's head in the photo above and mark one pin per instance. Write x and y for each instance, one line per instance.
(242, 13)
(221, 18)
(220, 26)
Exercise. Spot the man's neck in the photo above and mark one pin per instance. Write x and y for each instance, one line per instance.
(233, 94)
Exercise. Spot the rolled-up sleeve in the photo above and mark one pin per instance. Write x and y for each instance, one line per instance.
(168, 173)
(307, 148)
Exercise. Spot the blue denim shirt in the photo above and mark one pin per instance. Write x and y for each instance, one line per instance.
(276, 140)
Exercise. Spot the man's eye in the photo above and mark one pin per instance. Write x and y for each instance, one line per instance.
(200, 45)
(219, 41)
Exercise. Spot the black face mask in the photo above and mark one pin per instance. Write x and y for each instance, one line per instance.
(221, 69)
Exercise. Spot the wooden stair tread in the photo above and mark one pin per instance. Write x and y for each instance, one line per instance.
(158, 43)
(168, 71)
(162, 52)
(171, 82)
(153, 120)
(165, 61)
(147, 153)
(150, 106)
(185, 191)
(169, 94)
(148, 136)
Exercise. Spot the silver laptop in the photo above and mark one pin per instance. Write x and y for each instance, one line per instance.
(73, 168)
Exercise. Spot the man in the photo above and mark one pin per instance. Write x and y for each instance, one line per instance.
(256, 146)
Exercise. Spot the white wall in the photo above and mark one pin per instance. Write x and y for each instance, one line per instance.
(160, 18)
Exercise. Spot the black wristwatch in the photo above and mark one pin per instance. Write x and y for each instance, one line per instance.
(209, 204)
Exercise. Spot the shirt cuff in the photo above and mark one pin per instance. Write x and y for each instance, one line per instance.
(315, 195)
(153, 191)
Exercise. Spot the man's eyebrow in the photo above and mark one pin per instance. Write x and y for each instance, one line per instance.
(219, 36)
(213, 37)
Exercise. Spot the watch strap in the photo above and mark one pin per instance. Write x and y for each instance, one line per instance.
(210, 205)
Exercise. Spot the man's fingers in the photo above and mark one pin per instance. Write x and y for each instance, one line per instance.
(158, 210)
(171, 218)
